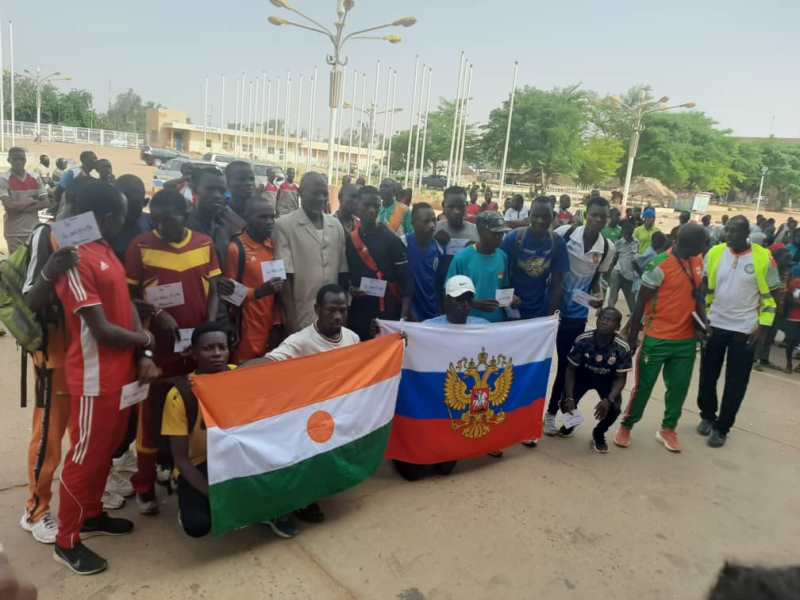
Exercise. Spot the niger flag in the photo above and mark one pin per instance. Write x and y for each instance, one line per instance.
(285, 434)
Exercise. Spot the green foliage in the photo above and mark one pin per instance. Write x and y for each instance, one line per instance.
(599, 160)
(547, 126)
(127, 113)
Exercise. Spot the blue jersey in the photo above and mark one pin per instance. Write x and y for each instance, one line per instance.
(425, 269)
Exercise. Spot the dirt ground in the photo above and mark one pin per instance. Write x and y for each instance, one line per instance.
(556, 522)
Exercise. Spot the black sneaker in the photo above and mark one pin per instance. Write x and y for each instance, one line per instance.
(105, 525)
(80, 559)
(310, 514)
(599, 444)
(566, 432)
(445, 468)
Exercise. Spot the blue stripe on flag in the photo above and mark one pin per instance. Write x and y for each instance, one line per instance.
(421, 395)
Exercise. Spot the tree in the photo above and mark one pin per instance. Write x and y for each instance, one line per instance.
(686, 152)
(127, 113)
(546, 130)
(599, 160)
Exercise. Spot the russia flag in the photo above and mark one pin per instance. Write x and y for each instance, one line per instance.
(467, 390)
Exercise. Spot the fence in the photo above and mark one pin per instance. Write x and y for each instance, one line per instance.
(70, 135)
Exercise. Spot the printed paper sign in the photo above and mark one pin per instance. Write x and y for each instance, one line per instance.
(455, 246)
(273, 269)
(572, 419)
(238, 296)
(582, 298)
(184, 341)
(133, 393)
(373, 287)
(504, 297)
(165, 296)
(77, 230)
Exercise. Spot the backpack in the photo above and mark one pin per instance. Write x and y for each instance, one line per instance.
(15, 314)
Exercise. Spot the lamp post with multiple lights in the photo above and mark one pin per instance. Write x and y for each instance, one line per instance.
(337, 60)
(39, 81)
(638, 110)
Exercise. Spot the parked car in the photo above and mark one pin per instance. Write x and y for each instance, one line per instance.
(158, 156)
(172, 170)
(221, 160)
(437, 182)
(262, 172)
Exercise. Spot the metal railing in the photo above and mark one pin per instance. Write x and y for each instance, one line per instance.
(70, 135)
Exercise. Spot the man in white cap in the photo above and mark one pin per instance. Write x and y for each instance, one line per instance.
(459, 293)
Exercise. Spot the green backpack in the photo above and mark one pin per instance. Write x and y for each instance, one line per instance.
(15, 314)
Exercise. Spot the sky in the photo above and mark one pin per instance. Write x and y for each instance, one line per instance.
(737, 59)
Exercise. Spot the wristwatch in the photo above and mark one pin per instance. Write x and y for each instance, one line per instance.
(146, 353)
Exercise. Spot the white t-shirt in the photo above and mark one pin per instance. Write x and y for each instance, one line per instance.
(516, 215)
(736, 296)
(583, 263)
(309, 341)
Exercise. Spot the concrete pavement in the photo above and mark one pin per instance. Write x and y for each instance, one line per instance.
(554, 522)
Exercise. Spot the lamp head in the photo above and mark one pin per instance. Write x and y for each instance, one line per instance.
(277, 21)
(393, 39)
(348, 5)
(405, 22)
(663, 100)
(280, 4)
(689, 105)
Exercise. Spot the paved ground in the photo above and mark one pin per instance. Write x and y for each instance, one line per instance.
(555, 522)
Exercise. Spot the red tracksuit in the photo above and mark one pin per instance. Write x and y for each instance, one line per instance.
(95, 376)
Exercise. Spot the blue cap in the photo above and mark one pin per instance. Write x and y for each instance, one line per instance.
(649, 212)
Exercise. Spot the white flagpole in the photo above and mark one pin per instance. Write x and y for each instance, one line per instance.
(254, 121)
(286, 121)
(372, 123)
(312, 104)
(298, 134)
(277, 112)
(411, 121)
(425, 128)
(249, 124)
(465, 94)
(265, 120)
(236, 115)
(461, 70)
(222, 115)
(11, 64)
(464, 123)
(352, 120)
(361, 124)
(389, 85)
(391, 126)
(2, 95)
(508, 131)
(338, 154)
(419, 125)
(205, 113)
(242, 100)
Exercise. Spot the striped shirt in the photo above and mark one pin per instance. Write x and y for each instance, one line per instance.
(94, 369)
(22, 199)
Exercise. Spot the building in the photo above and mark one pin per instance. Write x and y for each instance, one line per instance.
(168, 128)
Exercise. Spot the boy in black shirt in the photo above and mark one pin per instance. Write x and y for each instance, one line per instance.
(600, 361)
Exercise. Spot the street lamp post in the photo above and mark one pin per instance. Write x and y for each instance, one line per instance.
(337, 60)
(764, 171)
(639, 110)
(39, 81)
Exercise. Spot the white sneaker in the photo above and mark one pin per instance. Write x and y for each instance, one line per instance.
(112, 501)
(125, 463)
(44, 530)
(550, 427)
(119, 484)
(147, 507)
(163, 474)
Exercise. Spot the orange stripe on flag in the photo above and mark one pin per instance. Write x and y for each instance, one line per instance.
(245, 396)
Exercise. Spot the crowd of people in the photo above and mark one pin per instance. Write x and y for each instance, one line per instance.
(218, 274)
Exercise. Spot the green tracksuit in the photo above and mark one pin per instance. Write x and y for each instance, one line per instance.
(677, 359)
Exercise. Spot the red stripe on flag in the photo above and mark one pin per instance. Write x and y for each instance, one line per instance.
(425, 442)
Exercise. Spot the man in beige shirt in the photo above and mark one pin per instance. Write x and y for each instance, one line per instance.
(22, 196)
(312, 247)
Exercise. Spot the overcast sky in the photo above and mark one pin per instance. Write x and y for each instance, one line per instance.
(737, 59)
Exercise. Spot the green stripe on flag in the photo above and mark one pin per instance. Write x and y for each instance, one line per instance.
(239, 502)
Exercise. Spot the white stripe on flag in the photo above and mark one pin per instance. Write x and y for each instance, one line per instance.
(432, 348)
(282, 441)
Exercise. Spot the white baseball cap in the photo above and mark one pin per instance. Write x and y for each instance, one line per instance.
(458, 285)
